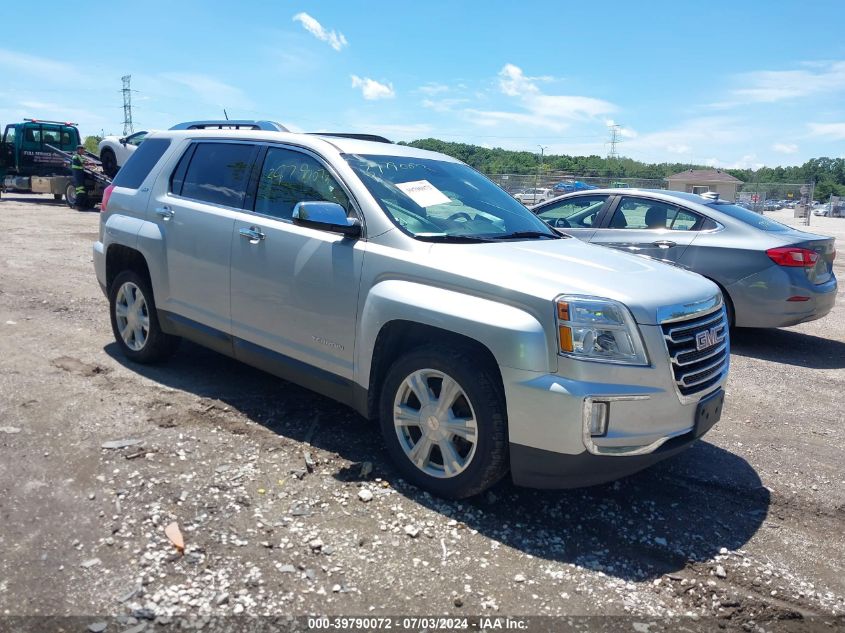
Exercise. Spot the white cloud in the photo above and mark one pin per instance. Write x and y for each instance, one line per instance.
(785, 148)
(833, 131)
(433, 88)
(443, 105)
(372, 89)
(40, 67)
(335, 39)
(211, 90)
(552, 112)
(770, 86)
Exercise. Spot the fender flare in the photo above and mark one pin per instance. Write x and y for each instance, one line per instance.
(514, 337)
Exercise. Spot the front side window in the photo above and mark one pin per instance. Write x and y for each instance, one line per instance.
(218, 172)
(579, 212)
(441, 200)
(289, 177)
(136, 139)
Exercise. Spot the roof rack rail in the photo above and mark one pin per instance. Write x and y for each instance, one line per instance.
(361, 137)
(46, 121)
(231, 124)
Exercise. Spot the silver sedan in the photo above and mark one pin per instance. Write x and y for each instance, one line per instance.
(771, 275)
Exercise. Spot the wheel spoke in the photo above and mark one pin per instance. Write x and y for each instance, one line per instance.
(419, 386)
(403, 415)
(450, 390)
(145, 323)
(452, 462)
(139, 336)
(121, 310)
(421, 452)
(464, 428)
(126, 334)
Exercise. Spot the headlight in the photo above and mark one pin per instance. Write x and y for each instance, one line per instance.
(592, 328)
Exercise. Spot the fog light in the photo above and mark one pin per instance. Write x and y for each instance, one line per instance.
(598, 418)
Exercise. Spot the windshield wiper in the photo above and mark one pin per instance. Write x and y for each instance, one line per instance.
(451, 239)
(527, 234)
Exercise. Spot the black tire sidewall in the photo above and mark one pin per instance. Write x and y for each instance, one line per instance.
(487, 404)
(109, 162)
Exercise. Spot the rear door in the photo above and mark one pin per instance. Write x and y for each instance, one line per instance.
(648, 227)
(576, 215)
(195, 213)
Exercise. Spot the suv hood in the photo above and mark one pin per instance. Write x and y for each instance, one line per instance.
(549, 268)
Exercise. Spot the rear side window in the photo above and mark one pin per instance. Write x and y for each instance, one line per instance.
(142, 160)
(218, 173)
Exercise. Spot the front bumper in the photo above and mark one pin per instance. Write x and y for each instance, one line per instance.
(550, 446)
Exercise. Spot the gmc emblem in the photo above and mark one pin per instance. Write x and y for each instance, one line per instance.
(708, 338)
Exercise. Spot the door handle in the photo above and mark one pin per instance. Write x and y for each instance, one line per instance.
(164, 212)
(664, 244)
(253, 234)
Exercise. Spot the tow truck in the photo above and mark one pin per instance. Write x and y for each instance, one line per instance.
(35, 158)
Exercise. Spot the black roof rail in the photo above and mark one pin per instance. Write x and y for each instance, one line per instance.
(231, 124)
(361, 137)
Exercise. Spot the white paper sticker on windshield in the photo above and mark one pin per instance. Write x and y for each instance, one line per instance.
(423, 193)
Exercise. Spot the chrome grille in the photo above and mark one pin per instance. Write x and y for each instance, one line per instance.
(697, 370)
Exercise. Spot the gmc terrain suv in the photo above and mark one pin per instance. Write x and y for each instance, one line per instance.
(408, 286)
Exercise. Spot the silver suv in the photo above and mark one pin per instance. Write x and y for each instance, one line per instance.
(408, 286)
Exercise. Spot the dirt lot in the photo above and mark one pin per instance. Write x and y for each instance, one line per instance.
(746, 526)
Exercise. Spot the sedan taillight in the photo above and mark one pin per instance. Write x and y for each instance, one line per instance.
(793, 257)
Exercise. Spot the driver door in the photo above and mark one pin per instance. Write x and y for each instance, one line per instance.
(294, 289)
(578, 216)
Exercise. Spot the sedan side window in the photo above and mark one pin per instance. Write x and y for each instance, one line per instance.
(686, 221)
(579, 212)
(288, 177)
(640, 213)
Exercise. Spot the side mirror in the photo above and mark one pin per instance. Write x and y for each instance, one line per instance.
(122, 140)
(326, 216)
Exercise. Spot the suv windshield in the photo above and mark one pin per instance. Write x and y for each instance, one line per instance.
(431, 199)
(757, 220)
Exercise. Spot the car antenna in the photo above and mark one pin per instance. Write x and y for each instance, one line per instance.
(225, 115)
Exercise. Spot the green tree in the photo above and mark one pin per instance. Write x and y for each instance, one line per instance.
(91, 143)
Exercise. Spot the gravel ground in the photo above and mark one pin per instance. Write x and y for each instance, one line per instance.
(287, 503)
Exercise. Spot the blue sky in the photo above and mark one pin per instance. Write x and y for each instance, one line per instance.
(721, 83)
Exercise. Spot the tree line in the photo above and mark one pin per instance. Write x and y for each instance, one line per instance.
(827, 173)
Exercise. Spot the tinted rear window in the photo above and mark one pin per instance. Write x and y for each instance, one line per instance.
(219, 173)
(142, 160)
(756, 220)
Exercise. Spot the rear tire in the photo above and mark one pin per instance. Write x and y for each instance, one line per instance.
(70, 196)
(134, 320)
(109, 162)
(444, 421)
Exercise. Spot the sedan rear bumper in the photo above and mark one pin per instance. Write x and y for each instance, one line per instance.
(762, 299)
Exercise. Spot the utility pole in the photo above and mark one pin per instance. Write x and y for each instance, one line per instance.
(127, 106)
(543, 148)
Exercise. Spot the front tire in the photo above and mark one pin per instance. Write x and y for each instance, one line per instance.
(109, 162)
(135, 322)
(444, 422)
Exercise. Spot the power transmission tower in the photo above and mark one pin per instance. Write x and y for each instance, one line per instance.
(127, 106)
(614, 140)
